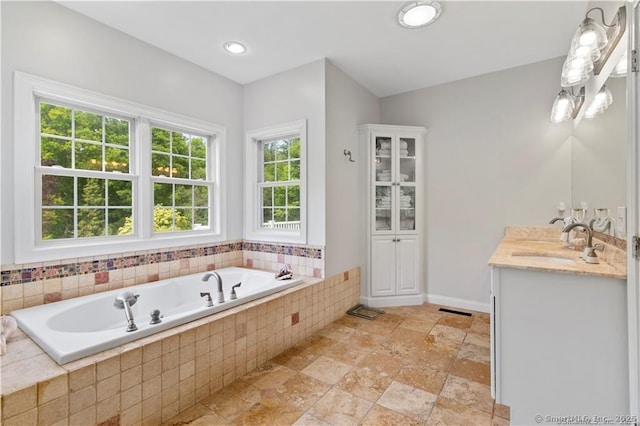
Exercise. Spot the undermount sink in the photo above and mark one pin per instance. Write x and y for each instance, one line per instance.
(546, 258)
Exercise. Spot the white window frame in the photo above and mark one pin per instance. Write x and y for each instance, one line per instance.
(252, 208)
(27, 90)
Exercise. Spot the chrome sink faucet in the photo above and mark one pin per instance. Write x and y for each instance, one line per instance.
(589, 254)
(220, 293)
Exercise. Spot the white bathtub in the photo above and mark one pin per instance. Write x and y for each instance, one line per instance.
(75, 328)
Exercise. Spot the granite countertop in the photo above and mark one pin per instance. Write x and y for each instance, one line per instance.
(540, 249)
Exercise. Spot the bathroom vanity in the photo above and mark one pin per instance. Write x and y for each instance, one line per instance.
(559, 331)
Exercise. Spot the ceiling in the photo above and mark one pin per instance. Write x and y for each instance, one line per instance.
(362, 38)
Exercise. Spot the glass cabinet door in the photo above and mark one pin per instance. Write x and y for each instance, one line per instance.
(383, 204)
(407, 158)
(407, 207)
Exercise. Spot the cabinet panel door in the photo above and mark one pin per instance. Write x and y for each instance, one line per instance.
(407, 264)
(383, 268)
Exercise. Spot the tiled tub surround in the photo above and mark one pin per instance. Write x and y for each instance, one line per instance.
(23, 286)
(83, 326)
(153, 379)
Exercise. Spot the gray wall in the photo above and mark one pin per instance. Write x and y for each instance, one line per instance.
(48, 40)
(493, 158)
(348, 105)
(289, 96)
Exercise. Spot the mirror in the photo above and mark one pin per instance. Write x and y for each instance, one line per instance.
(599, 158)
(599, 144)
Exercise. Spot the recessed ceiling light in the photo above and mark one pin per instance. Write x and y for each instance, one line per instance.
(235, 47)
(417, 14)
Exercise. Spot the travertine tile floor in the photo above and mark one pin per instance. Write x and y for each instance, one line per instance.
(410, 366)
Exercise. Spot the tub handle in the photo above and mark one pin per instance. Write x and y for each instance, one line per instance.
(209, 299)
(155, 317)
(233, 291)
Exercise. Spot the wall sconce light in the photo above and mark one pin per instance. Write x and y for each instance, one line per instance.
(601, 102)
(566, 105)
(591, 47)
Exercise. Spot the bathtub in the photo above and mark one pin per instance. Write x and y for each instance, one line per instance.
(71, 329)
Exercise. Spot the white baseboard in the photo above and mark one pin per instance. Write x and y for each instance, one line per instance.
(419, 299)
(381, 302)
(457, 303)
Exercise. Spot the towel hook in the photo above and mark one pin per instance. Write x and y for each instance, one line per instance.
(347, 153)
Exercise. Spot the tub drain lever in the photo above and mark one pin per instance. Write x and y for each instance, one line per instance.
(233, 291)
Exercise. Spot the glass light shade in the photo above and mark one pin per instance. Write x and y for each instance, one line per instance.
(417, 14)
(575, 72)
(591, 51)
(562, 108)
(621, 67)
(591, 33)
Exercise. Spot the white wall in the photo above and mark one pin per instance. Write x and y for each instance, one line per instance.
(289, 96)
(492, 159)
(48, 40)
(348, 105)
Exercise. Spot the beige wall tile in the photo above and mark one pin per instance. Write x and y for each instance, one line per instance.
(131, 397)
(52, 389)
(108, 387)
(84, 417)
(53, 411)
(108, 408)
(19, 402)
(82, 399)
(130, 359)
(27, 418)
(131, 377)
(82, 377)
(108, 367)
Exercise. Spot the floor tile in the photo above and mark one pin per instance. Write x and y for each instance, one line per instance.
(309, 420)
(412, 402)
(475, 353)
(338, 407)
(457, 321)
(269, 376)
(422, 377)
(337, 332)
(448, 412)
(381, 363)
(379, 415)
(416, 324)
(477, 339)
(327, 370)
(347, 353)
(377, 327)
(448, 332)
(503, 411)
(365, 383)
(411, 365)
(367, 341)
(269, 412)
(302, 391)
(350, 321)
(467, 392)
(472, 370)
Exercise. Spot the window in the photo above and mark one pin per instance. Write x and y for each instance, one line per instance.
(86, 189)
(276, 186)
(180, 190)
(100, 175)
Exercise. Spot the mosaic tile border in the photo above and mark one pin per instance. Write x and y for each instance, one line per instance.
(30, 274)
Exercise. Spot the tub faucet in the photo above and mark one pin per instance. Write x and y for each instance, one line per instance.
(220, 294)
(589, 254)
(124, 301)
(556, 219)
